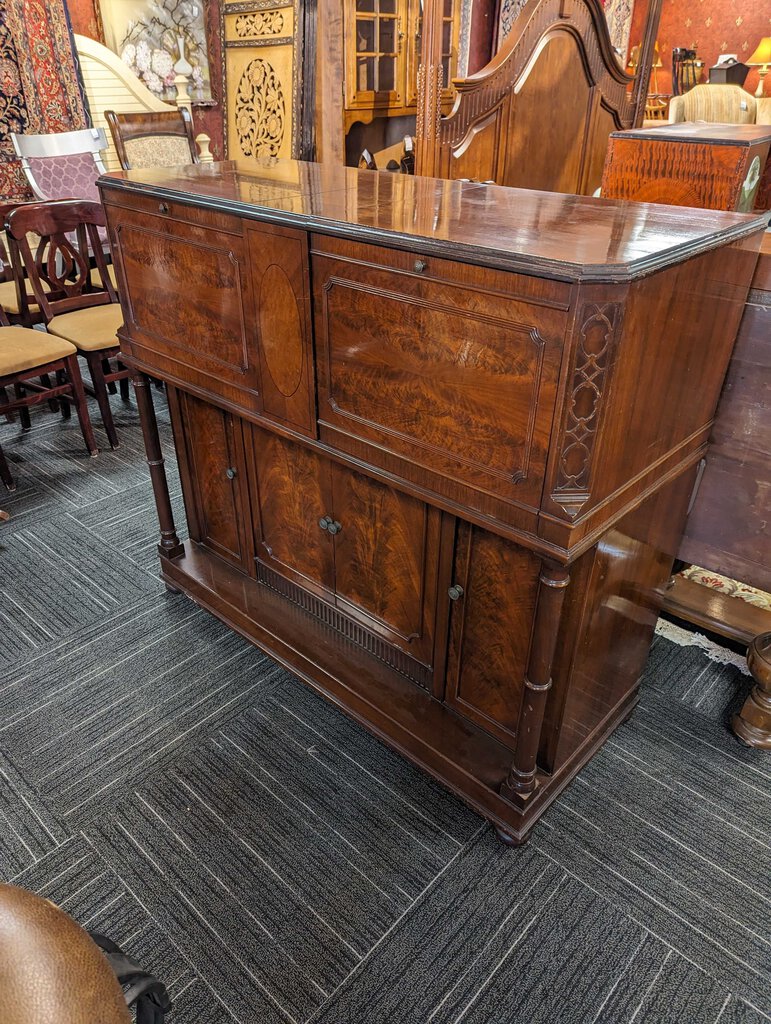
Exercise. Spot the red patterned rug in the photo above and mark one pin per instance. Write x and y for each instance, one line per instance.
(39, 87)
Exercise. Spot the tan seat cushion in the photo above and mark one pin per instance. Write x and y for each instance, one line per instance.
(96, 279)
(89, 329)
(21, 349)
(9, 299)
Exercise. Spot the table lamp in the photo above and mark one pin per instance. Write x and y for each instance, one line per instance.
(761, 58)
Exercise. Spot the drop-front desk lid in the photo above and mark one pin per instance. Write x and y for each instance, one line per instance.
(545, 233)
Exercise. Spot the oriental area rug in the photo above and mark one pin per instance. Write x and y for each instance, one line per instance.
(273, 863)
(39, 86)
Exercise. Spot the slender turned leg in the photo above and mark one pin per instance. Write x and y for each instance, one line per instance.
(100, 389)
(170, 545)
(5, 473)
(551, 595)
(81, 407)
(64, 403)
(753, 723)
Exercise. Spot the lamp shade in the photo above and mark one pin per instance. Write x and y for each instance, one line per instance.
(762, 54)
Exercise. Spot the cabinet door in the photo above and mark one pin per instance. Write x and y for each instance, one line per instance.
(291, 494)
(213, 477)
(386, 559)
(490, 627)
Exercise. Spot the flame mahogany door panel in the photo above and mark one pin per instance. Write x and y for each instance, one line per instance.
(208, 339)
(386, 560)
(447, 378)
(491, 621)
(213, 471)
(361, 545)
(291, 493)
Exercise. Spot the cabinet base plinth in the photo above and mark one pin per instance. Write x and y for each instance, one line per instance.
(458, 754)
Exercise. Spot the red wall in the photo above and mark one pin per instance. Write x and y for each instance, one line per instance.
(710, 27)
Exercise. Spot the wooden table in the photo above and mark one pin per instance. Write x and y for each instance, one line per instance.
(435, 441)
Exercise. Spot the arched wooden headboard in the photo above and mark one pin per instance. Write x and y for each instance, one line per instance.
(539, 115)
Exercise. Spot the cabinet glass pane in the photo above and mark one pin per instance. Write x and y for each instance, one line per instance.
(387, 74)
(365, 35)
(447, 38)
(387, 6)
(365, 74)
(367, 6)
(387, 35)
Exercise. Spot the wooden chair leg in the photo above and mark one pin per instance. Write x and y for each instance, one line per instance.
(94, 361)
(24, 419)
(9, 416)
(64, 404)
(81, 406)
(53, 403)
(125, 391)
(5, 473)
(111, 389)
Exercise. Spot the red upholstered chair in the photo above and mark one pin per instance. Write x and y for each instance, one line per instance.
(79, 305)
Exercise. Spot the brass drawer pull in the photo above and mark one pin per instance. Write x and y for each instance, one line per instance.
(420, 266)
(455, 592)
(230, 473)
(163, 207)
(330, 525)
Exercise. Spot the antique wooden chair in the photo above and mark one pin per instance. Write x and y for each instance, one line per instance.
(78, 305)
(153, 138)
(26, 353)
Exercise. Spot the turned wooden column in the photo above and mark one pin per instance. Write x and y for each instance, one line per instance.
(170, 545)
(551, 595)
(753, 723)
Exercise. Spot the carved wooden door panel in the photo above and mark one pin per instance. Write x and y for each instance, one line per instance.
(291, 495)
(493, 594)
(261, 42)
(213, 471)
(386, 554)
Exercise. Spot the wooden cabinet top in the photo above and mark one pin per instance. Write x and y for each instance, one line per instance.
(570, 238)
(702, 132)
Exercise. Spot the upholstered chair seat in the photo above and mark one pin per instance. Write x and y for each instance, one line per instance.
(89, 329)
(9, 298)
(21, 349)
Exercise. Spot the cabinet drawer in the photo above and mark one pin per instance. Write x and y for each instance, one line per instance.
(447, 379)
(187, 297)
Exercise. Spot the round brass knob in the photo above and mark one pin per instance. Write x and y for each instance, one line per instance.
(420, 266)
(455, 592)
(230, 473)
(163, 207)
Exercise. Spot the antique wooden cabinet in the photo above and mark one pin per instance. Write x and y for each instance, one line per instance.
(436, 439)
(694, 163)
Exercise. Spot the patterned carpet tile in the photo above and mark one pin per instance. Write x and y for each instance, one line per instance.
(77, 879)
(685, 675)
(464, 953)
(82, 720)
(648, 836)
(28, 831)
(65, 580)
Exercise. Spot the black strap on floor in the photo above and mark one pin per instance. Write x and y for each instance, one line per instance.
(140, 989)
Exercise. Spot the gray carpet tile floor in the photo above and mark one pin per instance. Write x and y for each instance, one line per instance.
(174, 788)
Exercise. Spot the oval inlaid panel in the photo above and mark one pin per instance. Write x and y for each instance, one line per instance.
(280, 331)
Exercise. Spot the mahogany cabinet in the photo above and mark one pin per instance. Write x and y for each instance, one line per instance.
(435, 441)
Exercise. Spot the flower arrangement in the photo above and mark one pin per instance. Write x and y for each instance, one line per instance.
(169, 30)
